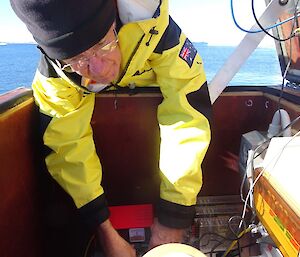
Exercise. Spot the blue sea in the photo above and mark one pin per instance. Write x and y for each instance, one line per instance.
(18, 63)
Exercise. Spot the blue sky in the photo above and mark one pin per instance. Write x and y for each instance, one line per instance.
(201, 20)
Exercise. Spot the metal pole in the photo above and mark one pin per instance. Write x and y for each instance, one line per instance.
(246, 47)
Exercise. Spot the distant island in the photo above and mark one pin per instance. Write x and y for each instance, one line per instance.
(201, 43)
(17, 43)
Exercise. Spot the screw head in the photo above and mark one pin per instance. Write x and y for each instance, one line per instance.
(283, 2)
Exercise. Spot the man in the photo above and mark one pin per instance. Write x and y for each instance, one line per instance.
(89, 46)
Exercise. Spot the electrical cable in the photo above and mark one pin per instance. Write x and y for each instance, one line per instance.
(260, 30)
(286, 71)
(292, 34)
(239, 247)
(215, 247)
(206, 253)
(259, 176)
(284, 78)
(282, 84)
(255, 154)
(235, 233)
(277, 135)
(208, 242)
(219, 242)
(220, 239)
(242, 186)
(235, 241)
(280, 133)
(216, 234)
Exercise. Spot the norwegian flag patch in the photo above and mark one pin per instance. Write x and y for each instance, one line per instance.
(188, 52)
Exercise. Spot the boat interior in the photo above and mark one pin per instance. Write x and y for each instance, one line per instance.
(126, 135)
(129, 146)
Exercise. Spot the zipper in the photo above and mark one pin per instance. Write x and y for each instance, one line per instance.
(129, 61)
(152, 32)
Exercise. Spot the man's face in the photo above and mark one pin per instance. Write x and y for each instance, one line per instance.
(101, 62)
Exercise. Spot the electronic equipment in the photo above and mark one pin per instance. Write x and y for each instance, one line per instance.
(277, 194)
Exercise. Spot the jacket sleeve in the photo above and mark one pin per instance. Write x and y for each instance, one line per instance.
(71, 157)
(183, 118)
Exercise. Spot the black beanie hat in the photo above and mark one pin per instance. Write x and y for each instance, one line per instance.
(65, 28)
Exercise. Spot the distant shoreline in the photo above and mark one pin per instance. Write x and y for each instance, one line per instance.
(17, 43)
(200, 43)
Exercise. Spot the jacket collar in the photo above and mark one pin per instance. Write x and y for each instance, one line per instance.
(137, 10)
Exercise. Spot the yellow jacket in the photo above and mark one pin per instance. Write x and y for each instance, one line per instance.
(155, 53)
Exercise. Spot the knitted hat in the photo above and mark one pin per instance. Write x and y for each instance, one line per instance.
(65, 28)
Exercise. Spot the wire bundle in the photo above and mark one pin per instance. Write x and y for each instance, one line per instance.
(265, 30)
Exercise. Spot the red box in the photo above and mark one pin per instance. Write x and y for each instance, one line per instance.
(131, 216)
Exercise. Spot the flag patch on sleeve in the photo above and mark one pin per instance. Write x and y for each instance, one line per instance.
(188, 52)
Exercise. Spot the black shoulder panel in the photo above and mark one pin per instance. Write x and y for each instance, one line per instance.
(170, 38)
(44, 122)
(46, 69)
(200, 101)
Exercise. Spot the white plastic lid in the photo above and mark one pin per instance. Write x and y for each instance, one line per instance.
(174, 250)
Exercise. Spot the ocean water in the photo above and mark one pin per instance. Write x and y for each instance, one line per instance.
(18, 63)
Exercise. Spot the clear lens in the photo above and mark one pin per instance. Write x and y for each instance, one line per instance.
(98, 50)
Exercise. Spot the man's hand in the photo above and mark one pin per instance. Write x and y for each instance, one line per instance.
(161, 234)
(113, 245)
